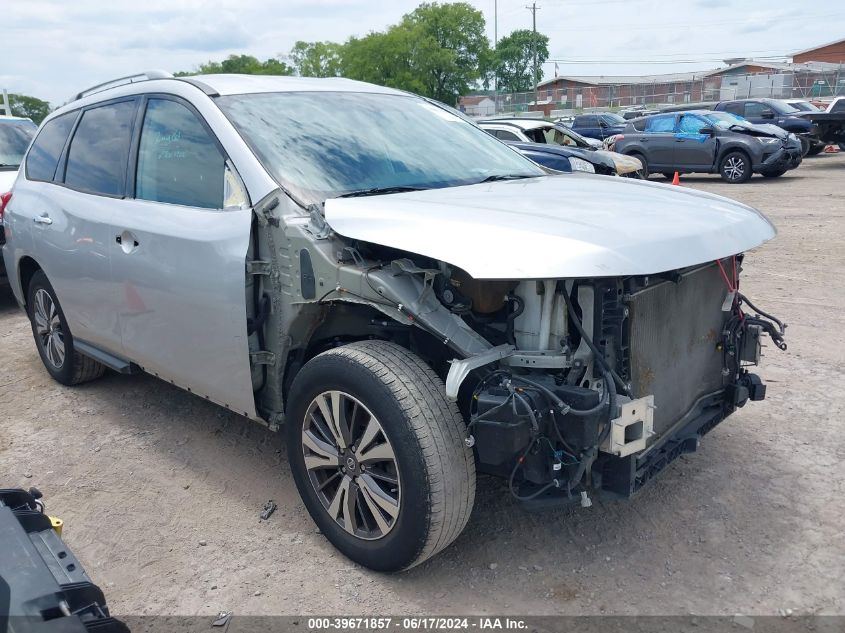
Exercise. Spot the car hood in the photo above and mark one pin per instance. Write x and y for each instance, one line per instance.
(575, 225)
(622, 163)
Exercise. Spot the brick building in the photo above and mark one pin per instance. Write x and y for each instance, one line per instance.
(833, 53)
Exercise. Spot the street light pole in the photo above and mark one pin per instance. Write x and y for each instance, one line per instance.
(533, 9)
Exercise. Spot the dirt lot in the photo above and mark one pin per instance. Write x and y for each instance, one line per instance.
(161, 491)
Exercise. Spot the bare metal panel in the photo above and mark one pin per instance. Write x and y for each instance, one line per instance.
(675, 329)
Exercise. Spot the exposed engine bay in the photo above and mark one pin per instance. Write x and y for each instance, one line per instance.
(592, 375)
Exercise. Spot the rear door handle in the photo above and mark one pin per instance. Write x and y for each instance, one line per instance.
(43, 219)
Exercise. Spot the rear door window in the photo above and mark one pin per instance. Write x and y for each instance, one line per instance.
(178, 160)
(505, 135)
(43, 157)
(660, 124)
(587, 121)
(734, 108)
(99, 150)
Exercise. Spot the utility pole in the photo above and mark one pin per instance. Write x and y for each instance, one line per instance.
(533, 8)
(495, 59)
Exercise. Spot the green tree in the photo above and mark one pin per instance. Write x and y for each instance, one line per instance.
(241, 64)
(513, 60)
(30, 107)
(383, 58)
(449, 46)
(317, 59)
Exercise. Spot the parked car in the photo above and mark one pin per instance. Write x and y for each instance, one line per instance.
(830, 123)
(15, 135)
(637, 112)
(803, 105)
(556, 157)
(412, 308)
(533, 131)
(709, 142)
(599, 125)
(777, 112)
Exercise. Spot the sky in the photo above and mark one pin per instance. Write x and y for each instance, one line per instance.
(55, 48)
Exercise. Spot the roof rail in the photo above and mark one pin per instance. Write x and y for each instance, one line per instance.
(129, 79)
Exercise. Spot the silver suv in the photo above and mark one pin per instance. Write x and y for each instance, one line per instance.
(413, 299)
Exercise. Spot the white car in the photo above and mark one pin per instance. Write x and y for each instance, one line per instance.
(15, 135)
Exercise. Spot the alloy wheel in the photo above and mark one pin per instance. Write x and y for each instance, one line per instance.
(734, 168)
(351, 464)
(48, 327)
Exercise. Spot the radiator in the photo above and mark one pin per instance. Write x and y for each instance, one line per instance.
(674, 332)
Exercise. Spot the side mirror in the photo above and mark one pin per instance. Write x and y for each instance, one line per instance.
(768, 114)
(709, 131)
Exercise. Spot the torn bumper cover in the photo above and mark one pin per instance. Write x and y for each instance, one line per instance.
(625, 476)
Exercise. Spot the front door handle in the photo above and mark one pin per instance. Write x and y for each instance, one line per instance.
(127, 241)
(43, 219)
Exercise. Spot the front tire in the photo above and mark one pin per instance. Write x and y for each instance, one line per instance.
(378, 454)
(53, 338)
(735, 168)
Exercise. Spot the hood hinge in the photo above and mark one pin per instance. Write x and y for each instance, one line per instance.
(262, 358)
(259, 267)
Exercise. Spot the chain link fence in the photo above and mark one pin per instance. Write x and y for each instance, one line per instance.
(570, 95)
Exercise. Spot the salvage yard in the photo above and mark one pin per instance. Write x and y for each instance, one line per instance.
(161, 491)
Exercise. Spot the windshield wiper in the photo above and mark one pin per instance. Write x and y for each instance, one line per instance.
(377, 191)
(498, 177)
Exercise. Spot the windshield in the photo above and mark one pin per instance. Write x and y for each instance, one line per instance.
(320, 145)
(570, 137)
(805, 106)
(783, 108)
(14, 139)
(725, 120)
(613, 119)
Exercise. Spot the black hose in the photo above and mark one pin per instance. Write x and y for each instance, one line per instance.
(509, 321)
(764, 314)
(600, 359)
(534, 495)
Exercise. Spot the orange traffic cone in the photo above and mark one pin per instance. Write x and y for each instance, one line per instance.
(677, 179)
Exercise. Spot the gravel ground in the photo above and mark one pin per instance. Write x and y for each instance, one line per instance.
(161, 491)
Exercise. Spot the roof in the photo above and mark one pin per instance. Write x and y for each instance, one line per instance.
(243, 84)
(9, 118)
(600, 80)
(474, 99)
(803, 66)
(523, 124)
(815, 48)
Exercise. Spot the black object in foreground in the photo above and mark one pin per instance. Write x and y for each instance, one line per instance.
(43, 587)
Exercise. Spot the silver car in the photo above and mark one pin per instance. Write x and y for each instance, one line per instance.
(411, 299)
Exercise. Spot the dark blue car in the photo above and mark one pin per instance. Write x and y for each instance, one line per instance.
(776, 112)
(599, 125)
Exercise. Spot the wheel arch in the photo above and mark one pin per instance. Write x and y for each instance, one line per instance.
(27, 267)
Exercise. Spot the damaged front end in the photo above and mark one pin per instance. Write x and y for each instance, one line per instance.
(579, 372)
(611, 379)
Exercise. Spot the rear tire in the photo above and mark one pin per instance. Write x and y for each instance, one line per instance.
(53, 338)
(735, 167)
(815, 149)
(424, 471)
